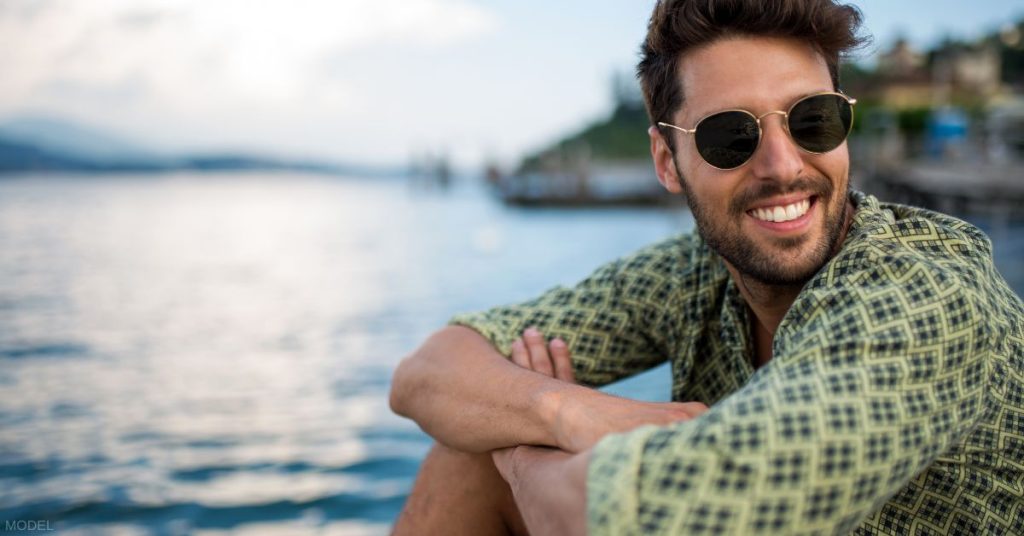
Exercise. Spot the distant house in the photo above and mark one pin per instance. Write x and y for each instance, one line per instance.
(955, 73)
(902, 79)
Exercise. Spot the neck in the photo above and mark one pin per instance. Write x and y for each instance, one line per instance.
(770, 302)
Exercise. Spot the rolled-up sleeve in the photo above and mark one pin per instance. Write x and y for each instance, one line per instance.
(614, 321)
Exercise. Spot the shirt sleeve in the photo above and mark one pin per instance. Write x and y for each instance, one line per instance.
(873, 379)
(614, 321)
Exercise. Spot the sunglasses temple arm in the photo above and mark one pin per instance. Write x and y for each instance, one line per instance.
(680, 129)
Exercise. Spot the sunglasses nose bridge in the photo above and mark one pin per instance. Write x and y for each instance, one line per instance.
(785, 120)
(784, 159)
(776, 112)
(785, 117)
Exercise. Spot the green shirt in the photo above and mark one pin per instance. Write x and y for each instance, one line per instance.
(894, 402)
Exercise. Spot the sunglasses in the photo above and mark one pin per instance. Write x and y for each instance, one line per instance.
(817, 124)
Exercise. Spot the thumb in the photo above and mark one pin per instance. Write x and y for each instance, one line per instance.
(503, 462)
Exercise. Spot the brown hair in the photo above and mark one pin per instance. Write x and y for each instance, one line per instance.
(680, 25)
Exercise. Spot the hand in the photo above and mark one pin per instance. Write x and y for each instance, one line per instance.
(530, 352)
(549, 487)
(583, 420)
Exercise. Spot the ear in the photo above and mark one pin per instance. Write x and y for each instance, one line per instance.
(664, 166)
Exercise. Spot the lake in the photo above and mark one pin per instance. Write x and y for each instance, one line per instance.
(209, 354)
(212, 353)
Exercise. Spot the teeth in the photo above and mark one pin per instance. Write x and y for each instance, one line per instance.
(782, 213)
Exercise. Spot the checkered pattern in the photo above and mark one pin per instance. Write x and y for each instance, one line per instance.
(894, 403)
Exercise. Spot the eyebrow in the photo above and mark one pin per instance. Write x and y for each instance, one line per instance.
(752, 112)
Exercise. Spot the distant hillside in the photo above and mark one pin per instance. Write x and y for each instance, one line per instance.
(72, 139)
(620, 136)
(39, 144)
(20, 156)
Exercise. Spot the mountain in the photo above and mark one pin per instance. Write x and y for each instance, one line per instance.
(21, 156)
(72, 139)
(39, 144)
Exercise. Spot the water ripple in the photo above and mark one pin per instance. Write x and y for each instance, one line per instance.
(213, 353)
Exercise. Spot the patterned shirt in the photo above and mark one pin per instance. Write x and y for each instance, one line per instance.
(893, 404)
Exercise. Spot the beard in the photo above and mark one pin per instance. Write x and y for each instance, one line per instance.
(785, 261)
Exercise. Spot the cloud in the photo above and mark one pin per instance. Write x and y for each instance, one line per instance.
(190, 61)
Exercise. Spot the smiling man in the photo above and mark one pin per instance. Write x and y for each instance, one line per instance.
(839, 364)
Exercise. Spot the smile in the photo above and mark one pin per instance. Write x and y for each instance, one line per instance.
(782, 213)
(788, 215)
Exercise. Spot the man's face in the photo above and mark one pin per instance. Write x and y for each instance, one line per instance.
(760, 75)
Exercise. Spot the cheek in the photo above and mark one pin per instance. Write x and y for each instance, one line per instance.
(835, 165)
(713, 189)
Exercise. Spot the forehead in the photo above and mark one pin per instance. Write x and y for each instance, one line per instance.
(754, 73)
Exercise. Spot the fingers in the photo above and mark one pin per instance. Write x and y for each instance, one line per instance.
(540, 361)
(520, 355)
(561, 361)
(503, 461)
(533, 352)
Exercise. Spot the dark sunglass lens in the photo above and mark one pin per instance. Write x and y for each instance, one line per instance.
(728, 139)
(820, 123)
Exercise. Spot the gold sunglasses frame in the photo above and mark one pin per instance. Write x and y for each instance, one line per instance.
(760, 131)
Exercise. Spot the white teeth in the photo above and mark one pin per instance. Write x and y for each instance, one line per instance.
(782, 213)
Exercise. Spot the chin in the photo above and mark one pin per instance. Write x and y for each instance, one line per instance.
(773, 272)
(787, 262)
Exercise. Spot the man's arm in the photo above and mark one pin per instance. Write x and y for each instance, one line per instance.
(462, 389)
(467, 395)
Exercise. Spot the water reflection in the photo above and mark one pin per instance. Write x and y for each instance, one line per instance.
(212, 353)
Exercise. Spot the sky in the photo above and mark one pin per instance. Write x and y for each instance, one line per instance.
(367, 81)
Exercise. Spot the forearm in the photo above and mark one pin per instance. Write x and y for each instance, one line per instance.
(465, 394)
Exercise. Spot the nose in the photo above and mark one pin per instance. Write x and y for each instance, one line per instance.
(777, 158)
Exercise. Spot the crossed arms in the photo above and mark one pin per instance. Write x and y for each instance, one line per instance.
(527, 410)
(879, 371)
(816, 441)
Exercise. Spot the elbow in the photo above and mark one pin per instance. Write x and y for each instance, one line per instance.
(409, 383)
(416, 378)
(401, 385)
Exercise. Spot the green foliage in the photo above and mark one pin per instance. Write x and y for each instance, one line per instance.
(853, 75)
(622, 136)
(1012, 58)
(913, 121)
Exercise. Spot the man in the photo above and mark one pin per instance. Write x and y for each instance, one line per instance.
(839, 365)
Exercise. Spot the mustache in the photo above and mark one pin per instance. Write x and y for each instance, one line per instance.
(819, 186)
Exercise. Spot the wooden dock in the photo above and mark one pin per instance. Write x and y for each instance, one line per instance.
(994, 192)
(957, 187)
(630, 183)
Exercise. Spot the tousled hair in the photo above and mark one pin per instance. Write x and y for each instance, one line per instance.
(678, 26)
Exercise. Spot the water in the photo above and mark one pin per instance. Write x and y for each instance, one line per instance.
(210, 354)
